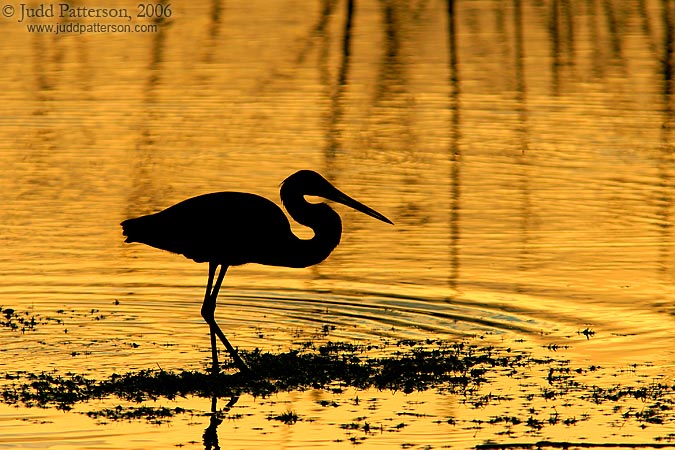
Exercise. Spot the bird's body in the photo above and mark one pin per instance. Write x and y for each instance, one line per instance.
(214, 228)
(235, 228)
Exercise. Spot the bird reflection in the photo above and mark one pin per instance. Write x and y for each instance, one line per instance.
(210, 436)
(234, 228)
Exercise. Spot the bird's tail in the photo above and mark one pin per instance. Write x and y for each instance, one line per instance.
(133, 229)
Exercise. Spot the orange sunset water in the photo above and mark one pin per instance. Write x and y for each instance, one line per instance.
(525, 151)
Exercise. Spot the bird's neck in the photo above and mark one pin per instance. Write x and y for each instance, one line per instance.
(313, 251)
(326, 225)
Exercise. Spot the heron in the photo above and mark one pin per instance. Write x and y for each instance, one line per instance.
(227, 229)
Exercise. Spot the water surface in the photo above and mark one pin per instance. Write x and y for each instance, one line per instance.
(523, 149)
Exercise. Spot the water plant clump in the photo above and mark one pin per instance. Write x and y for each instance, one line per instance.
(288, 417)
(154, 415)
(332, 366)
(526, 393)
(17, 321)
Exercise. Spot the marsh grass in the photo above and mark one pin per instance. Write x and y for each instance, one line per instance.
(473, 372)
(457, 367)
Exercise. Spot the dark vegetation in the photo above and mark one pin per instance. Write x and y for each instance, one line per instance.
(457, 367)
(470, 370)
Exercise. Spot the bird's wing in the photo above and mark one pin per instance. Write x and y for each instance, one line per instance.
(226, 227)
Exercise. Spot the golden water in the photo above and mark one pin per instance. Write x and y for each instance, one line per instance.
(525, 151)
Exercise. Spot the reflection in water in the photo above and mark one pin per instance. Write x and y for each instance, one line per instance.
(561, 31)
(667, 64)
(666, 159)
(215, 24)
(346, 45)
(520, 75)
(147, 192)
(210, 436)
(522, 159)
(615, 27)
(392, 98)
(532, 126)
(319, 30)
(338, 90)
(454, 151)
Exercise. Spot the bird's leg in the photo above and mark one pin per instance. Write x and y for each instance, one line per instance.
(214, 294)
(206, 307)
(208, 310)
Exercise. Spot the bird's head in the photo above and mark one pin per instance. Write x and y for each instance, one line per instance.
(308, 182)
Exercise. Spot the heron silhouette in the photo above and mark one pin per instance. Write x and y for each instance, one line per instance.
(234, 228)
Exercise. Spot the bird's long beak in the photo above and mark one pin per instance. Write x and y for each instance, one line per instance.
(341, 197)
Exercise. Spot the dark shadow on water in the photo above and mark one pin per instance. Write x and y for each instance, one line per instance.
(210, 436)
(454, 150)
(412, 366)
(463, 370)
